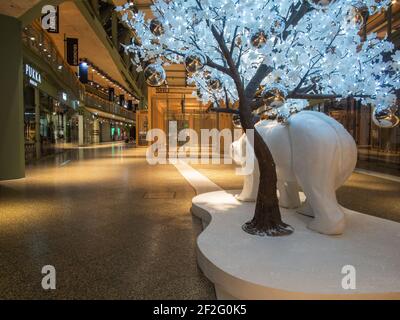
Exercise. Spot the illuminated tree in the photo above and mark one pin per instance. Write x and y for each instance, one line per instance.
(267, 52)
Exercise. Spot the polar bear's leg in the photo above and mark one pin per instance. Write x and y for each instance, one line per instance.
(316, 158)
(320, 192)
(306, 209)
(288, 194)
(328, 215)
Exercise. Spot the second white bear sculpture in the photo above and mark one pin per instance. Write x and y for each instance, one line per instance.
(312, 151)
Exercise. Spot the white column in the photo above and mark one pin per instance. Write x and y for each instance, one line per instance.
(65, 127)
(96, 131)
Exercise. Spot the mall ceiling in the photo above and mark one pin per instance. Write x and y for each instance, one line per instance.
(16, 8)
(143, 5)
(74, 25)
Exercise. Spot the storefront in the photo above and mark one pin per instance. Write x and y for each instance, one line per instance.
(178, 105)
(48, 115)
(119, 131)
(101, 127)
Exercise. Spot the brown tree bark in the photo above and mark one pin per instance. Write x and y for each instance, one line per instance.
(267, 217)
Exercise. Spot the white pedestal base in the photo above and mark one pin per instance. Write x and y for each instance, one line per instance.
(304, 265)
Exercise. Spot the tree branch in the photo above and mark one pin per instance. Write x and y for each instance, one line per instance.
(257, 103)
(224, 110)
(296, 16)
(217, 66)
(306, 96)
(244, 108)
(234, 73)
(265, 70)
(262, 71)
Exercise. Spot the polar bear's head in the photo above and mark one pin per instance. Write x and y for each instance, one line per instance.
(238, 150)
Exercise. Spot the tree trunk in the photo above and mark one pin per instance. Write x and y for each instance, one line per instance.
(267, 217)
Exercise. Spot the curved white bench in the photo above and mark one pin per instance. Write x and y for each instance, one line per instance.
(304, 265)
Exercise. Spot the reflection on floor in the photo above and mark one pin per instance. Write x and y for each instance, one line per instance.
(380, 166)
(86, 213)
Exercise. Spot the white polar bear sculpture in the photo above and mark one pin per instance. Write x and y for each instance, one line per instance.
(311, 151)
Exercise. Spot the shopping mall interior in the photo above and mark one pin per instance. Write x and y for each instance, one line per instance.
(76, 189)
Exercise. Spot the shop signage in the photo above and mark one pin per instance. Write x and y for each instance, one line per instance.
(72, 51)
(162, 90)
(33, 75)
(50, 18)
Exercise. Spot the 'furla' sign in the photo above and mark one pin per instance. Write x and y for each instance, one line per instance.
(33, 75)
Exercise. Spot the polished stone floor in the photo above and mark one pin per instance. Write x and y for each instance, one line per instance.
(113, 226)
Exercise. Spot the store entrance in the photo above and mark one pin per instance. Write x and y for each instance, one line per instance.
(174, 112)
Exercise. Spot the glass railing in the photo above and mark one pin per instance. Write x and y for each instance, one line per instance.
(100, 104)
(99, 93)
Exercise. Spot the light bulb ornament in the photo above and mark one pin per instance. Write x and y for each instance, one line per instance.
(156, 27)
(385, 118)
(214, 84)
(258, 39)
(236, 121)
(195, 61)
(274, 95)
(278, 26)
(155, 75)
(356, 16)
